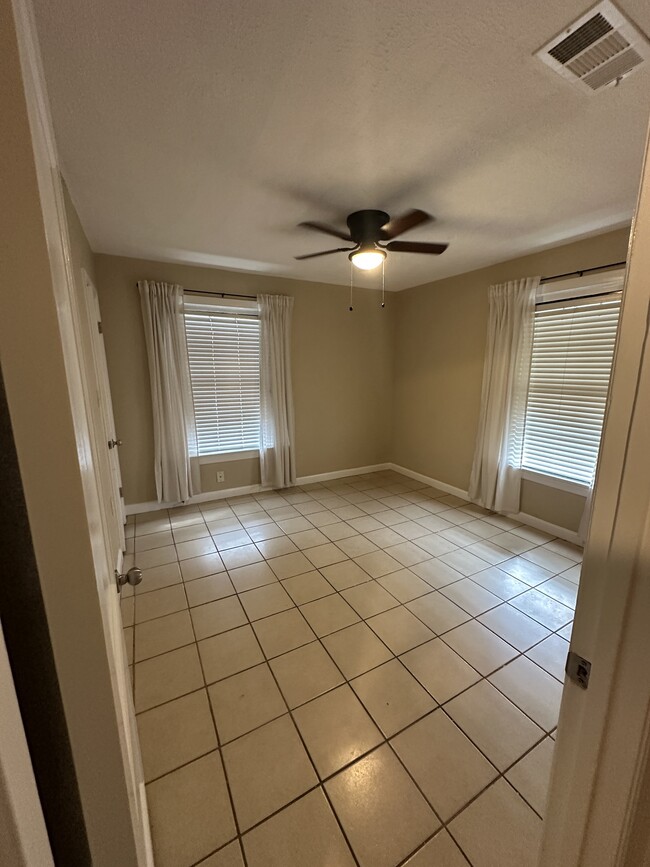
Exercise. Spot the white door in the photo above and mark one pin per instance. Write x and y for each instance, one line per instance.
(104, 411)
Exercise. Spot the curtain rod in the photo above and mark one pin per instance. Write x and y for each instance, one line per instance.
(218, 294)
(583, 271)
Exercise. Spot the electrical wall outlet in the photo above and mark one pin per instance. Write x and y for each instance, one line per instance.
(221, 477)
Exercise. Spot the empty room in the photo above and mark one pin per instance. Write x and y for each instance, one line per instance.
(324, 410)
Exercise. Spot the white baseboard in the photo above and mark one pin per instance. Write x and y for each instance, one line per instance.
(207, 496)
(427, 480)
(340, 474)
(522, 517)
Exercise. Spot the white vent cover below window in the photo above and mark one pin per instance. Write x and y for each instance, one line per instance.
(598, 49)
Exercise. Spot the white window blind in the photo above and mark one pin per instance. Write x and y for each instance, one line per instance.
(573, 349)
(224, 357)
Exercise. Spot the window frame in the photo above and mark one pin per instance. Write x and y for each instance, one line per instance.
(573, 288)
(198, 303)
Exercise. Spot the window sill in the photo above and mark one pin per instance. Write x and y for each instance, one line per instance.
(224, 457)
(555, 482)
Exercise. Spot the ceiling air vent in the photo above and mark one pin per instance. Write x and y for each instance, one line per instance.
(598, 49)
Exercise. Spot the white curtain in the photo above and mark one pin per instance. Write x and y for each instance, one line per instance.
(277, 459)
(175, 449)
(495, 481)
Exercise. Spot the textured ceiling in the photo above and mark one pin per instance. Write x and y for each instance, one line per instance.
(206, 131)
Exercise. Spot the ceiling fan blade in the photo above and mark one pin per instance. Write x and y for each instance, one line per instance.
(326, 253)
(416, 247)
(329, 230)
(402, 224)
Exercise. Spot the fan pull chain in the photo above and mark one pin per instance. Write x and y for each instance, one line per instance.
(351, 285)
(383, 283)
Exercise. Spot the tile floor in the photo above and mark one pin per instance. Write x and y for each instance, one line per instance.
(366, 671)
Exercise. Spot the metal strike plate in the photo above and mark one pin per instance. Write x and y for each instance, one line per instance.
(578, 669)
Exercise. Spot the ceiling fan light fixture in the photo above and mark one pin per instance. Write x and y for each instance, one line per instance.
(367, 258)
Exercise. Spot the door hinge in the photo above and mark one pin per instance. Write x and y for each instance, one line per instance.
(578, 669)
(100, 328)
(121, 491)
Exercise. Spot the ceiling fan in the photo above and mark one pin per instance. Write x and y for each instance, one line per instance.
(367, 228)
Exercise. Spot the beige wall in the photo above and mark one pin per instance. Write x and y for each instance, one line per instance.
(342, 371)
(440, 332)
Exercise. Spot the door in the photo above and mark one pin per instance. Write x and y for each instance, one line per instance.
(104, 414)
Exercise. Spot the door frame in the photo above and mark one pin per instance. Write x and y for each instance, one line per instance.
(599, 777)
(42, 368)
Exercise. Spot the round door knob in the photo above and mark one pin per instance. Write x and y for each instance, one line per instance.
(132, 577)
(113, 443)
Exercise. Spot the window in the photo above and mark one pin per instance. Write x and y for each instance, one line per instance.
(573, 350)
(223, 344)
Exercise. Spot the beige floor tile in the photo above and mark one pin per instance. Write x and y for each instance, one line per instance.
(159, 577)
(399, 629)
(307, 587)
(440, 670)
(329, 614)
(208, 589)
(289, 565)
(561, 590)
(305, 673)
(267, 600)
(513, 542)
(441, 851)
(531, 775)
(383, 538)
(190, 813)
(532, 689)
(283, 632)
(219, 616)
(244, 556)
(366, 524)
(548, 560)
(175, 733)
(368, 797)
(392, 696)
(195, 548)
(156, 557)
(189, 532)
(435, 544)
(471, 596)
(500, 583)
(566, 549)
(229, 653)
(542, 608)
(526, 571)
(369, 598)
(245, 701)
(199, 567)
(488, 550)
(295, 525)
(221, 526)
(499, 829)
(251, 576)
(127, 610)
(323, 518)
(229, 856)
(231, 539)
(272, 548)
(308, 539)
(514, 626)
(355, 546)
(267, 769)
(282, 840)
(378, 563)
(407, 553)
(325, 555)
(410, 530)
(356, 649)
(484, 650)
(404, 585)
(163, 634)
(167, 676)
(160, 602)
(336, 730)
(443, 762)
(436, 573)
(341, 530)
(498, 728)
(345, 574)
(551, 655)
(266, 532)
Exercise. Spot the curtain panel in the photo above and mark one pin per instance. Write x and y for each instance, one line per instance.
(176, 465)
(495, 482)
(277, 457)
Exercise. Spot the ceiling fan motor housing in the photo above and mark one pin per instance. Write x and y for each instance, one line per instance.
(365, 226)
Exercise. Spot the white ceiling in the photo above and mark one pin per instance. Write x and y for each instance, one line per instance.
(205, 131)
